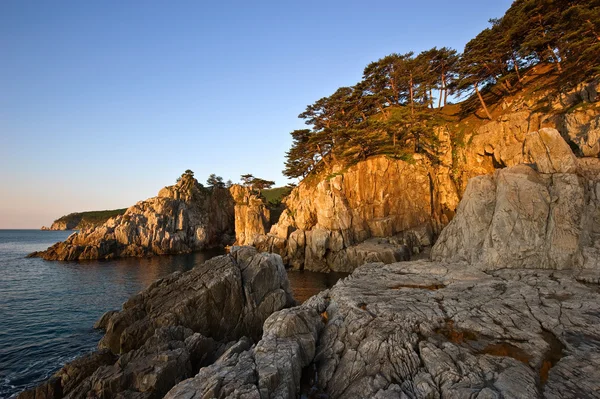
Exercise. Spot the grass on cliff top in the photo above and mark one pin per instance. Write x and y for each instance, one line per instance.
(93, 216)
(275, 195)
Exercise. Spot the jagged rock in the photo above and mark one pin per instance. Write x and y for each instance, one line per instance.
(70, 376)
(224, 298)
(521, 218)
(326, 224)
(177, 325)
(422, 329)
(252, 217)
(583, 129)
(183, 218)
(272, 369)
(102, 322)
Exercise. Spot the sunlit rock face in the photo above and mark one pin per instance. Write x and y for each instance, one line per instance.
(544, 215)
(183, 218)
(377, 210)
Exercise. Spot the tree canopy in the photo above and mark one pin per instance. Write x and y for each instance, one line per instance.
(215, 181)
(256, 183)
(392, 110)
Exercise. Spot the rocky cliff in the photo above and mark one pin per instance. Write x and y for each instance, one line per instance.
(544, 214)
(178, 324)
(375, 210)
(183, 218)
(480, 148)
(252, 217)
(386, 210)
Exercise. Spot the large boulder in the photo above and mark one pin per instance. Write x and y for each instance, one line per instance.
(545, 214)
(520, 218)
(183, 218)
(549, 151)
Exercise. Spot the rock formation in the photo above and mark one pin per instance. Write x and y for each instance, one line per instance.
(421, 330)
(542, 215)
(183, 218)
(252, 217)
(393, 204)
(180, 323)
(328, 215)
(499, 143)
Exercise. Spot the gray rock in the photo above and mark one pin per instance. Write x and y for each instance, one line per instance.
(549, 152)
(180, 323)
(423, 330)
(521, 218)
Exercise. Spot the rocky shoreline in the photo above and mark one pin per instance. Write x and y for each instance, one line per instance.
(507, 307)
(411, 329)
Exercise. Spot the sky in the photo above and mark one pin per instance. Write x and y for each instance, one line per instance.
(103, 103)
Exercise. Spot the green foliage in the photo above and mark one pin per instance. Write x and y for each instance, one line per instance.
(276, 195)
(90, 218)
(391, 110)
(215, 181)
(256, 183)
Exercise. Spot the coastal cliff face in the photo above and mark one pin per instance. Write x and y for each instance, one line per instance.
(252, 217)
(183, 218)
(376, 210)
(499, 143)
(544, 214)
(386, 210)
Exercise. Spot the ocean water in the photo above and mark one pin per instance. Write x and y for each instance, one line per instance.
(47, 309)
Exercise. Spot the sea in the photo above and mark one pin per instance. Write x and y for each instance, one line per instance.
(47, 309)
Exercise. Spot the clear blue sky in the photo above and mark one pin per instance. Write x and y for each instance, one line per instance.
(102, 103)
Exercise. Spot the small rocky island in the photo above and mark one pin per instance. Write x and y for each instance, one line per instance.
(183, 218)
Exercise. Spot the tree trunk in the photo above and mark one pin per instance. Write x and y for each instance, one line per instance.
(555, 58)
(593, 30)
(443, 86)
(412, 108)
(482, 102)
(505, 84)
(323, 156)
(516, 64)
(430, 100)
